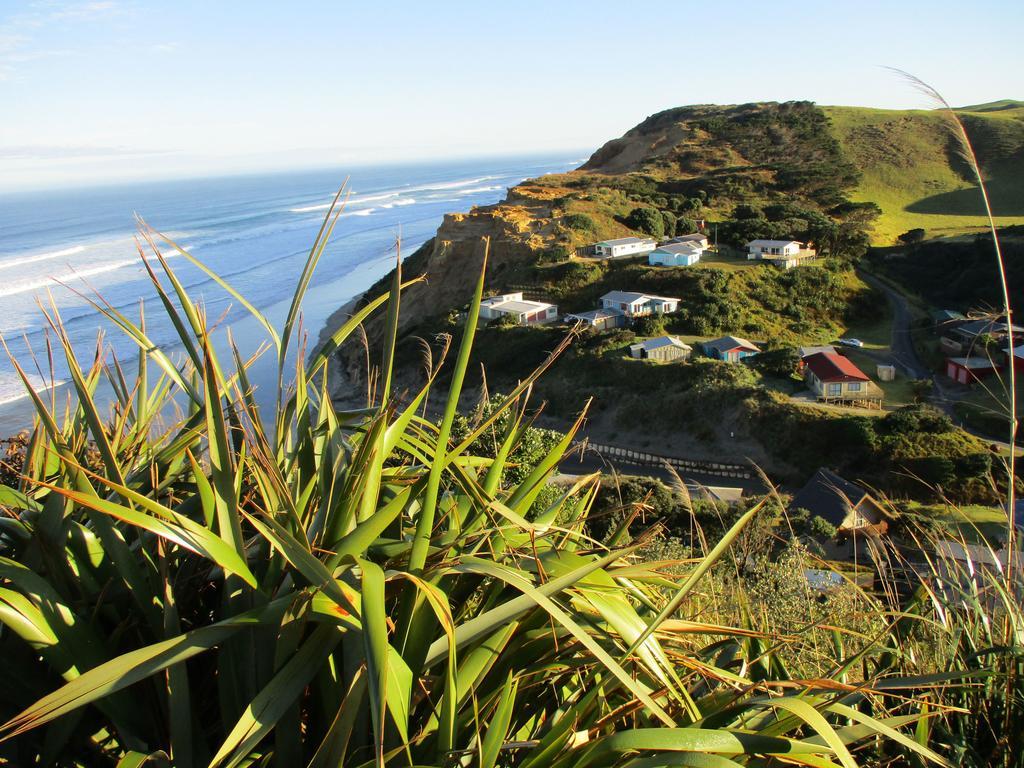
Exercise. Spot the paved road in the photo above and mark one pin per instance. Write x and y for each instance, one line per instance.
(905, 356)
(901, 343)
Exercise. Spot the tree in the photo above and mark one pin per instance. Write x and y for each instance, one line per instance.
(685, 226)
(670, 226)
(912, 236)
(646, 220)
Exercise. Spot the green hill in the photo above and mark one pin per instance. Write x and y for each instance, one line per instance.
(910, 166)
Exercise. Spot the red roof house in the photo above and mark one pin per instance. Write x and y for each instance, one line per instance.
(833, 377)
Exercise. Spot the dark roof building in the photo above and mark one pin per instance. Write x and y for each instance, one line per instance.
(847, 506)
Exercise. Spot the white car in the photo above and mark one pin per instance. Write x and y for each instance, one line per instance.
(851, 342)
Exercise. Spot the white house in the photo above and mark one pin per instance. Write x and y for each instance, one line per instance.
(684, 254)
(638, 304)
(761, 249)
(523, 311)
(624, 246)
(781, 253)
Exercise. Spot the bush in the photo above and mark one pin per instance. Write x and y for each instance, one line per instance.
(647, 220)
(649, 325)
(578, 221)
(912, 419)
(912, 236)
(645, 497)
(781, 363)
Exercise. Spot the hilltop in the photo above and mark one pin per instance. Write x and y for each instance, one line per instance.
(839, 177)
(911, 167)
(746, 171)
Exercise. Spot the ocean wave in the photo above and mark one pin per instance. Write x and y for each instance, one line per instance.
(12, 388)
(477, 190)
(37, 257)
(25, 286)
(455, 184)
(398, 191)
(400, 202)
(353, 200)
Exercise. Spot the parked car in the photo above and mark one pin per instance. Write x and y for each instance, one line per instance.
(851, 342)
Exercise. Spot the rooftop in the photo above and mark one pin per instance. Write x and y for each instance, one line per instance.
(772, 243)
(596, 314)
(627, 241)
(808, 351)
(829, 366)
(985, 325)
(696, 237)
(659, 342)
(685, 247)
(727, 343)
(829, 496)
(630, 297)
(515, 305)
(972, 363)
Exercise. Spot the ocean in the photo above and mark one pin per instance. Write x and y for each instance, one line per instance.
(255, 231)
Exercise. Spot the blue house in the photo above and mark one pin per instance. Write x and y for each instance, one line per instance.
(684, 254)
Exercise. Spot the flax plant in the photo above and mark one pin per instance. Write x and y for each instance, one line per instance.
(213, 585)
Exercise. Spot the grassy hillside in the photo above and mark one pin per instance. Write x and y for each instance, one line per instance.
(909, 166)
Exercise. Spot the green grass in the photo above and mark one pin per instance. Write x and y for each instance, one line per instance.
(971, 522)
(726, 259)
(898, 392)
(908, 170)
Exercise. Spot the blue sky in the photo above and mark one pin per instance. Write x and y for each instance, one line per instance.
(102, 90)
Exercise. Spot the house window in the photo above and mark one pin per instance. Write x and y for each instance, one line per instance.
(854, 386)
(834, 390)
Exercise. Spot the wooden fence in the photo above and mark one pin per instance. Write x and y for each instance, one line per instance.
(646, 459)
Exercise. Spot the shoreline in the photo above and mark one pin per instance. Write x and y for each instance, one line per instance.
(336, 374)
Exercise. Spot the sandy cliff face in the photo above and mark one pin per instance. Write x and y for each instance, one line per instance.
(519, 228)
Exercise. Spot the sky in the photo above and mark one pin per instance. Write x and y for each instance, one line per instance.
(98, 91)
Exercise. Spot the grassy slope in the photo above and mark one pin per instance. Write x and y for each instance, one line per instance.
(909, 170)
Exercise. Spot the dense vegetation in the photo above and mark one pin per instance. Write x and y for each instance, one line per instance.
(957, 274)
(756, 170)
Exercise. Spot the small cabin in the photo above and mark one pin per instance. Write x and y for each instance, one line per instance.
(730, 349)
(662, 348)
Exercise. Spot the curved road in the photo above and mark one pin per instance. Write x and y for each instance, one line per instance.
(901, 343)
(905, 356)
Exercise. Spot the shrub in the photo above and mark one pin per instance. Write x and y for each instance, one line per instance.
(912, 236)
(578, 221)
(649, 325)
(916, 418)
(647, 220)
